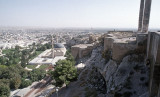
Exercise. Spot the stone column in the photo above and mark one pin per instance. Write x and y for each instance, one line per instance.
(146, 15)
(141, 11)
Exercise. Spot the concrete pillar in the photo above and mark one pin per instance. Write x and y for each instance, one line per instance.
(146, 15)
(141, 11)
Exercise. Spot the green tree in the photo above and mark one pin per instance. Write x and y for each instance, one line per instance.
(64, 73)
(6, 73)
(17, 48)
(24, 60)
(5, 81)
(25, 83)
(2, 60)
(37, 74)
(24, 74)
(15, 82)
(4, 90)
(70, 57)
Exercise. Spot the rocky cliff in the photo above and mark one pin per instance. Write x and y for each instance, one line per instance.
(127, 79)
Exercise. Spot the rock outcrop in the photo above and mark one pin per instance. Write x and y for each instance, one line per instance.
(127, 79)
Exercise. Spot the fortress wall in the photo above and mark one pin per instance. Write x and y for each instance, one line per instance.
(110, 32)
(75, 52)
(79, 51)
(158, 50)
(153, 53)
(108, 43)
(83, 52)
(153, 48)
(119, 50)
(149, 45)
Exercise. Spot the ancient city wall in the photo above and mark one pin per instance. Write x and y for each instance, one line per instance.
(108, 43)
(153, 54)
(119, 46)
(153, 48)
(81, 50)
(75, 52)
(120, 50)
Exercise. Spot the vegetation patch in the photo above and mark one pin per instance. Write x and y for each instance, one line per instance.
(12, 72)
(44, 66)
(31, 66)
(65, 71)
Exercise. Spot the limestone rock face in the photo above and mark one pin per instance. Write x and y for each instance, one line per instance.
(126, 79)
(129, 76)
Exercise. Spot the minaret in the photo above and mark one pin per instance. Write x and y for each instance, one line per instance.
(146, 15)
(57, 38)
(141, 12)
(52, 47)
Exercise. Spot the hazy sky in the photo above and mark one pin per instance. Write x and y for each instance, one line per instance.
(75, 13)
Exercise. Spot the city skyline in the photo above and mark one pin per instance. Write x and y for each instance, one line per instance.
(74, 13)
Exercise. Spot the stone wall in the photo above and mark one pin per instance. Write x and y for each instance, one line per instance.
(153, 47)
(75, 51)
(120, 50)
(119, 44)
(153, 54)
(81, 50)
(108, 43)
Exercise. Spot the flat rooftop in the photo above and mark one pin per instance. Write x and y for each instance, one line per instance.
(122, 36)
(82, 45)
(40, 60)
(46, 60)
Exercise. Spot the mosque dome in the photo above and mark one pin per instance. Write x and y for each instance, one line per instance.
(59, 45)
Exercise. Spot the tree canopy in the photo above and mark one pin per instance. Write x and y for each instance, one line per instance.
(4, 90)
(65, 71)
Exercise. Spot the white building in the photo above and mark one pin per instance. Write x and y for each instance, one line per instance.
(46, 57)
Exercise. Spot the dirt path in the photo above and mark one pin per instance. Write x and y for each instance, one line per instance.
(38, 87)
(73, 90)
